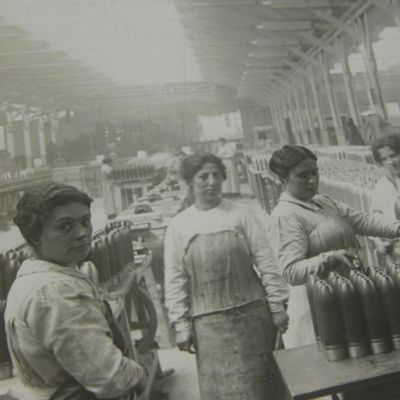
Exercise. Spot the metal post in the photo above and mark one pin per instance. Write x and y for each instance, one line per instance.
(293, 120)
(303, 130)
(42, 139)
(321, 120)
(282, 119)
(347, 78)
(53, 128)
(27, 140)
(277, 122)
(308, 116)
(10, 135)
(375, 91)
(337, 123)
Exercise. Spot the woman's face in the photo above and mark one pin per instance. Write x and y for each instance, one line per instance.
(207, 184)
(66, 235)
(302, 180)
(390, 160)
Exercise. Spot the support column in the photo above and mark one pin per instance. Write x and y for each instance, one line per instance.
(27, 141)
(303, 128)
(320, 117)
(308, 116)
(347, 78)
(282, 119)
(42, 139)
(337, 122)
(375, 92)
(53, 128)
(293, 120)
(277, 122)
(290, 133)
(10, 135)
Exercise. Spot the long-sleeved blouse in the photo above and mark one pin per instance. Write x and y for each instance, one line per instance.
(293, 221)
(227, 216)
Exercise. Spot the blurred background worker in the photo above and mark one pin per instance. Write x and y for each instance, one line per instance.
(108, 188)
(226, 151)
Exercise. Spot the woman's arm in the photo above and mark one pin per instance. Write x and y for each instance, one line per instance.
(289, 241)
(369, 225)
(68, 320)
(176, 285)
(276, 289)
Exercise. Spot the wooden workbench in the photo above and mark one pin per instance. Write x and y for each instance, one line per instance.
(308, 375)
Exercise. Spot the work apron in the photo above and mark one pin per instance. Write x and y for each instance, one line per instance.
(232, 323)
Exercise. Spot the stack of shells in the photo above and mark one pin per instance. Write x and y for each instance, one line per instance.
(357, 314)
(139, 170)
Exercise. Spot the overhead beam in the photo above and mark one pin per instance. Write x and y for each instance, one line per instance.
(305, 3)
(284, 26)
(276, 42)
(319, 43)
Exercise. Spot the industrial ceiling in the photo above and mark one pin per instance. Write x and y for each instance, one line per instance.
(247, 50)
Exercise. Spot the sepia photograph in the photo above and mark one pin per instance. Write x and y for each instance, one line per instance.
(200, 199)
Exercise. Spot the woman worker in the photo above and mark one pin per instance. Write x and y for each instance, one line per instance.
(57, 324)
(386, 152)
(312, 233)
(217, 301)
(226, 151)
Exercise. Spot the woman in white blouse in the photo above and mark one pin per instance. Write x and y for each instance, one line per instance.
(224, 293)
(312, 233)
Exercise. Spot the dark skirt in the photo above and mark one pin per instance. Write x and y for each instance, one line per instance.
(234, 357)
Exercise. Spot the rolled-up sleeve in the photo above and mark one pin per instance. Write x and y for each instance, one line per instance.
(364, 224)
(276, 289)
(176, 283)
(289, 241)
(69, 322)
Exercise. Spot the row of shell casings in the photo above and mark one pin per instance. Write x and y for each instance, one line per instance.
(132, 172)
(111, 253)
(356, 315)
(116, 224)
(10, 261)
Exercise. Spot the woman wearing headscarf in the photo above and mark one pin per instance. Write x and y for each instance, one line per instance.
(312, 233)
(224, 293)
(61, 336)
(386, 193)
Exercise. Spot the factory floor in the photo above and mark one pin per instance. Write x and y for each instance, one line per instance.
(180, 385)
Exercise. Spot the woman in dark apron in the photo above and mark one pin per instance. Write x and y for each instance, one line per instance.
(224, 293)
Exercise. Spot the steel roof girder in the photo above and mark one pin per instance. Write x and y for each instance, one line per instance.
(285, 26)
(306, 57)
(320, 43)
(296, 3)
(340, 25)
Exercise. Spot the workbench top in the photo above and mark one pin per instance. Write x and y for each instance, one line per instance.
(307, 374)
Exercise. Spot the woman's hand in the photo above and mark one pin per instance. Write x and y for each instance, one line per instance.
(185, 342)
(142, 384)
(281, 320)
(339, 260)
